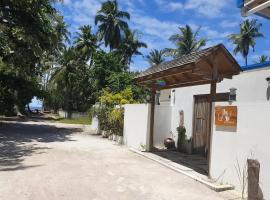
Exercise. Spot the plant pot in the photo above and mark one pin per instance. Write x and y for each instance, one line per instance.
(188, 147)
(169, 143)
(110, 137)
(120, 140)
(115, 137)
(104, 134)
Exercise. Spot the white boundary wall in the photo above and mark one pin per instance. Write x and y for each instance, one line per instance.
(250, 139)
(162, 124)
(137, 126)
(252, 135)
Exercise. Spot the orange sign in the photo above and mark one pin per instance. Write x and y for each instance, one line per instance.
(226, 116)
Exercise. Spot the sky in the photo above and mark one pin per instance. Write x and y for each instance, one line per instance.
(157, 20)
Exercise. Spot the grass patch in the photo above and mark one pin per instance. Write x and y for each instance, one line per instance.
(82, 120)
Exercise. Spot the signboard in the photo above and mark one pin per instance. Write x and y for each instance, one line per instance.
(226, 116)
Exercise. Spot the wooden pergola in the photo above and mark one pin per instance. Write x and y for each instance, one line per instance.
(208, 66)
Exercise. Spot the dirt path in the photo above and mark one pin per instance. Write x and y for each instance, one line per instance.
(44, 161)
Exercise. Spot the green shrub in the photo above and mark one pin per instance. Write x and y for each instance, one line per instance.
(181, 130)
(110, 111)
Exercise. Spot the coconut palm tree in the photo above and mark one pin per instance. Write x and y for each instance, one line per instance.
(262, 59)
(130, 46)
(249, 31)
(86, 42)
(111, 23)
(186, 41)
(155, 57)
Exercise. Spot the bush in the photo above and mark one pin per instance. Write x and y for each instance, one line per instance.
(181, 130)
(110, 111)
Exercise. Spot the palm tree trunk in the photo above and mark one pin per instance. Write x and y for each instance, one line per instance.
(246, 59)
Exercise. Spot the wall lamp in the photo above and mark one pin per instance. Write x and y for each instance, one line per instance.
(268, 79)
(232, 94)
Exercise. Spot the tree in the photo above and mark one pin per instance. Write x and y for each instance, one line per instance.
(262, 59)
(130, 46)
(186, 42)
(29, 30)
(86, 42)
(155, 57)
(111, 23)
(249, 32)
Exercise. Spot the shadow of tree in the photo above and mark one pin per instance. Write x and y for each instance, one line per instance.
(18, 141)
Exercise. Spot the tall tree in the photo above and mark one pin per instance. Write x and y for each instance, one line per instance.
(130, 46)
(186, 42)
(28, 31)
(155, 57)
(111, 23)
(249, 32)
(86, 42)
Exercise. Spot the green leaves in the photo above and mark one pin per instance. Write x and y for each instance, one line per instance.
(186, 42)
(249, 32)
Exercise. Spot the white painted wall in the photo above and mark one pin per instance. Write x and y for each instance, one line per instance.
(74, 115)
(162, 124)
(253, 130)
(137, 126)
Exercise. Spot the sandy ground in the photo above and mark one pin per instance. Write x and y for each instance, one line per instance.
(45, 161)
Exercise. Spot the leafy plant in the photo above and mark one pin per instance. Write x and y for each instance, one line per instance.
(181, 130)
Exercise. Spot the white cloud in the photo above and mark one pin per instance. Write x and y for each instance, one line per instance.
(169, 6)
(229, 24)
(207, 8)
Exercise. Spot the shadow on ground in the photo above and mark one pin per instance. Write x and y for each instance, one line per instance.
(195, 162)
(18, 141)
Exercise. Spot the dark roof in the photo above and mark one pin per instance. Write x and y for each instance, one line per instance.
(256, 66)
(193, 57)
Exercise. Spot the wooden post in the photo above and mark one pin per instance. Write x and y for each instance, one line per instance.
(213, 91)
(253, 179)
(152, 119)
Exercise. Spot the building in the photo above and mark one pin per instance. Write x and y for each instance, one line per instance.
(227, 125)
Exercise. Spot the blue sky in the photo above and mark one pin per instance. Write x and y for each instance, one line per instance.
(157, 20)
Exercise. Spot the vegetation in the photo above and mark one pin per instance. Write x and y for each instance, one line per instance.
(262, 59)
(25, 39)
(249, 32)
(83, 120)
(181, 130)
(37, 58)
(155, 57)
(111, 24)
(186, 42)
(110, 110)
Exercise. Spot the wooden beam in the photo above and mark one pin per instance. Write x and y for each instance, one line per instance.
(160, 75)
(186, 84)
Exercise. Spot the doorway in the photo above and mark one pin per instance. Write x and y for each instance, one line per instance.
(201, 125)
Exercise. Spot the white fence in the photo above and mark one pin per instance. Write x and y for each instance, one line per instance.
(137, 125)
(74, 115)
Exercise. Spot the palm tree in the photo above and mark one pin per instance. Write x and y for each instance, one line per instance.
(112, 23)
(155, 57)
(63, 77)
(130, 46)
(262, 59)
(86, 42)
(249, 31)
(187, 41)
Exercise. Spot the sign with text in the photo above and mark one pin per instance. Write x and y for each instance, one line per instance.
(226, 116)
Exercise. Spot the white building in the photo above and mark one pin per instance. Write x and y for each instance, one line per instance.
(228, 144)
